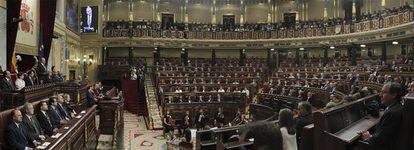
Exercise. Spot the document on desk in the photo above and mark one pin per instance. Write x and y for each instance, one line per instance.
(57, 135)
(43, 146)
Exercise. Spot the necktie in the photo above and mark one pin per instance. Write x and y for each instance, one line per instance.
(20, 130)
(60, 117)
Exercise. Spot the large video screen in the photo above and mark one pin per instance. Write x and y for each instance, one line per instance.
(89, 20)
(72, 20)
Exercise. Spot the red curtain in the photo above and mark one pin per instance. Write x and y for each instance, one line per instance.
(47, 20)
(13, 11)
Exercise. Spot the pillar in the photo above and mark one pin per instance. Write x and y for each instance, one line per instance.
(353, 55)
(213, 57)
(243, 11)
(185, 11)
(384, 52)
(242, 57)
(325, 55)
(297, 57)
(214, 11)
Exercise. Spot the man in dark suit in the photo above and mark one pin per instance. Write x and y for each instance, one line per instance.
(304, 118)
(42, 71)
(44, 119)
(62, 109)
(90, 97)
(7, 82)
(31, 123)
(56, 117)
(386, 131)
(17, 137)
(30, 79)
(200, 120)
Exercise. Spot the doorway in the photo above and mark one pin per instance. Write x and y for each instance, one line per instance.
(229, 21)
(167, 20)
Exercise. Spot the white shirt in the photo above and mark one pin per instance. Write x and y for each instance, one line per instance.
(246, 91)
(289, 141)
(19, 84)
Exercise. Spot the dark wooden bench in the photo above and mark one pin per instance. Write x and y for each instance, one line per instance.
(337, 128)
(81, 133)
(205, 140)
(76, 91)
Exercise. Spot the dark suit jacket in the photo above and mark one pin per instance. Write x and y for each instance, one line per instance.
(90, 99)
(63, 111)
(17, 139)
(41, 70)
(29, 81)
(386, 131)
(45, 123)
(7, 85)
(301, 122)
(55, 116)
(32, 126)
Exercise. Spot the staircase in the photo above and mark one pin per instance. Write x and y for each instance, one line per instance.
(154, 116)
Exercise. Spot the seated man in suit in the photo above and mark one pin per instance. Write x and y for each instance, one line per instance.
(386, 131)
(7, 83)
(90, 97)
(62, 109)
(16, 136)
(44, 119)
(31, 123)
(304, 118)
(30, 79)
(56, 117)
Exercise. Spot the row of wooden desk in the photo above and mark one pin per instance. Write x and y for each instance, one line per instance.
(79, 133)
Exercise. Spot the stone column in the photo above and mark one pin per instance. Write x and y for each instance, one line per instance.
(325, 55)
(384, 52)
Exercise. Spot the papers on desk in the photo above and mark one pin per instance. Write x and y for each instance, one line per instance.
(82, 112)
(57, 135)
(78, 116)
(43, 146)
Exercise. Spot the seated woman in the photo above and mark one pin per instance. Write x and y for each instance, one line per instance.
(20, 84)
(287, 128)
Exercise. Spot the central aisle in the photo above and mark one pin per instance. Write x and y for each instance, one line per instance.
(136, 135)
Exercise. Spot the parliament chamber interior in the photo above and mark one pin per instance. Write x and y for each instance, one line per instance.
(207, 74)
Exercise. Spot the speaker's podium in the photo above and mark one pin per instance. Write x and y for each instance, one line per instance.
(111, 121)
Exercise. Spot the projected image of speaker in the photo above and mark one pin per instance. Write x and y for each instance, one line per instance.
(89, 20)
